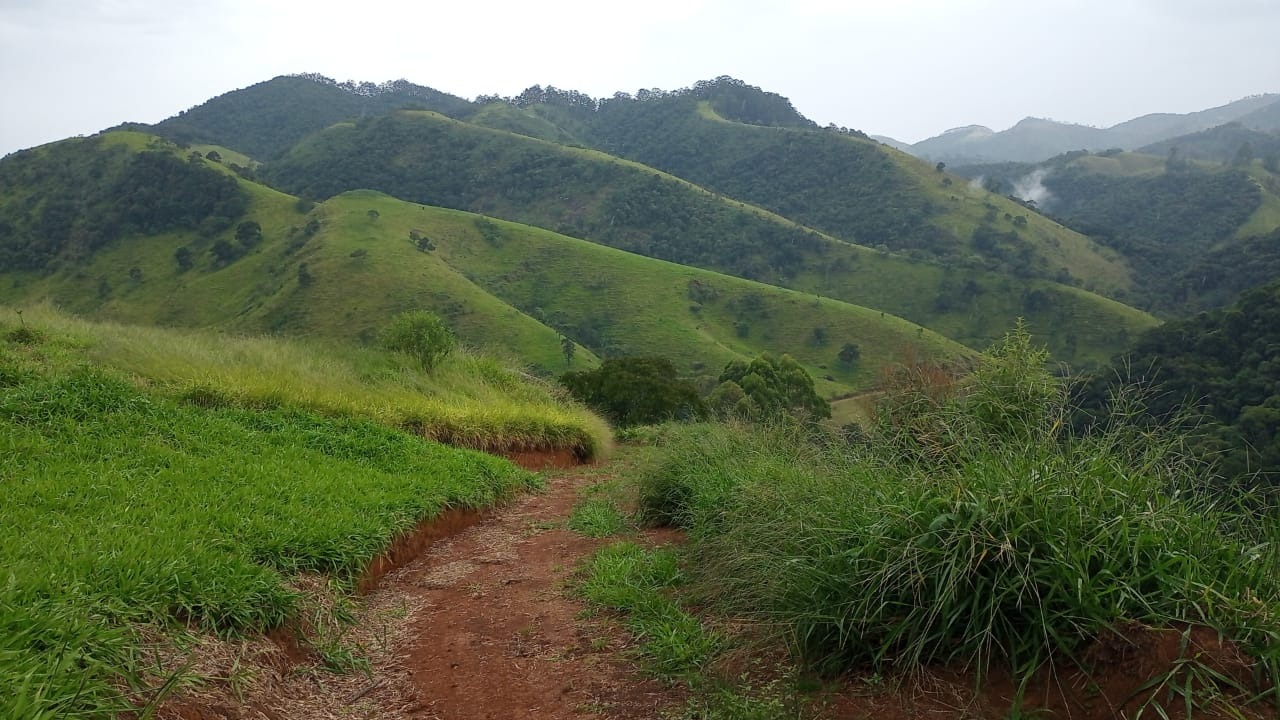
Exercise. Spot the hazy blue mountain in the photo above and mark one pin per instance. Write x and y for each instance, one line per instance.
(1036, 139)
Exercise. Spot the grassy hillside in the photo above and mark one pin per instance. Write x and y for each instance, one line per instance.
(470, 400)
(504, 287)
(132, 512)
(427, 158)
(840, 182)
(617, 303)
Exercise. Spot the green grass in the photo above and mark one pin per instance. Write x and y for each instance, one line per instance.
(470, 400)
(597, 516)
(973, 530)
(627, 578)
(126, 506)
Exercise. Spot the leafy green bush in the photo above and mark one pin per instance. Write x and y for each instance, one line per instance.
(766, 388)
(421, 335)
(636, 391)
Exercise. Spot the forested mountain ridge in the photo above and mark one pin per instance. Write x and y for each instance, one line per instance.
(834, 180)
(962, 262)
(722, 134)
(1233, 143)
(1224, 364)
(1180, 223)
(266, 119)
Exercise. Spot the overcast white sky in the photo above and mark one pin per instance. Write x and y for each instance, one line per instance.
(905, 68)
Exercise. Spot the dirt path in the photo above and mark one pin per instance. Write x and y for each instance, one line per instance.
(482, 625)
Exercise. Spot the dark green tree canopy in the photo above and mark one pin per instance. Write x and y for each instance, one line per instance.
(636, 391)
(1225, 365)
(767, 387)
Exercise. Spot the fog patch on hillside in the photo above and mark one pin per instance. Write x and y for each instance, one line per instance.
(1030, 187)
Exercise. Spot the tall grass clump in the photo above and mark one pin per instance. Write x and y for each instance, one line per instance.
(969, 526)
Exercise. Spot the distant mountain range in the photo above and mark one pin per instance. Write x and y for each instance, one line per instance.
(1036, 139)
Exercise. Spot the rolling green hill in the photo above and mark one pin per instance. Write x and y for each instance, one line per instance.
(427, 158)
(742, 142)
(342, 268)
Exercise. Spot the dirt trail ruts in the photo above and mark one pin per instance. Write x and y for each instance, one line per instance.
(481, 625)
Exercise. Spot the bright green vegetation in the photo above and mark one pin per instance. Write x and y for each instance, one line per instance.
(469, 400)
(618, 203)
(765, 388)
(597, 516)
(674, 645)
(421, 336)
(125, 506)
(628, 578)
(970, 527)
(1223, 366)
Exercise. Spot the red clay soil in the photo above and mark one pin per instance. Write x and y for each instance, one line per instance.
(561, 459)
(482, 624)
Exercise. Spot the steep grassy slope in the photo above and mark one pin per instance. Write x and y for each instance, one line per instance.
(427, 158)
(617, 303)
